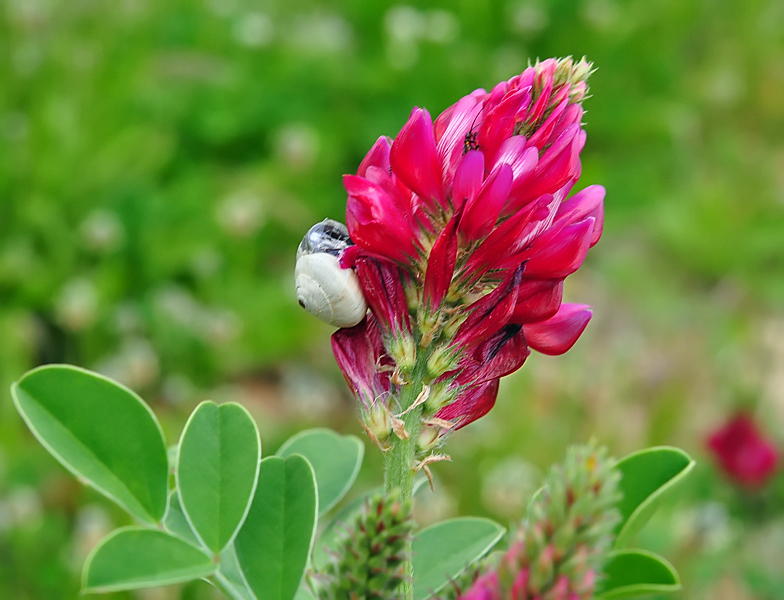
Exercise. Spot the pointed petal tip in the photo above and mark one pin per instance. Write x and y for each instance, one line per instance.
(558, 334)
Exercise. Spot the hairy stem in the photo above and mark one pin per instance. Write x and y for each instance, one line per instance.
(399, 460)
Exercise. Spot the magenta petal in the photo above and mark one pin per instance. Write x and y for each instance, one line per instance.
(572, 114)
(441, 264)
(472, 403)
(382, 179)
(485, 587)
(383, 289)
(499, 122)
(359, 351)
(522, 158)
(468, 178)
(414, 159)
(502, 353)
(490, 313)
(539, 306)
(556, 254)
(374, 221)
(558, 165)
(451, 144)
(512, 236)
(377, 156)
(556, 335)
(481, 212)
(457, 112)
(541, 136)
(585, 203)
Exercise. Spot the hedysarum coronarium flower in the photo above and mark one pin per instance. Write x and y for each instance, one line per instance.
(463, 237)
(743, 451)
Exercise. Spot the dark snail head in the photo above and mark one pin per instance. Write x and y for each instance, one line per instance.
(328, 236)
(324, 288)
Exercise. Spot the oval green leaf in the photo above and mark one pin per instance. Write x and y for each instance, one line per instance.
(274, 542)
(100, 431)
(217, 470)
(647, 478)
(136, 557)
(444, 550)
(335, 458)
(630, 573)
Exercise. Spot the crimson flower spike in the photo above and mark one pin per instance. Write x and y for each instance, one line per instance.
(464, 231)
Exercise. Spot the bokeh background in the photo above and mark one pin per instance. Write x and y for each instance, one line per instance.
(160, 160)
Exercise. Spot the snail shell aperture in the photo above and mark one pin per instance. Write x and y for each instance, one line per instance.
(324, 289)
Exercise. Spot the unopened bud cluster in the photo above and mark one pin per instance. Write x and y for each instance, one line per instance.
(558, 551)
(369, 562)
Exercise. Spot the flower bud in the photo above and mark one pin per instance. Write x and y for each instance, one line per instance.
(443, 359)
(403, 351)
(378, 422)
(429, 438)
(369, 561)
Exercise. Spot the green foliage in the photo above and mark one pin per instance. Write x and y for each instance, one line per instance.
(100, 431)
(249, 524)
(176, 522)
(335, 459)
(217, 470)
(135, 557)
(630, 573)
(274, 542)
(647, 478)
(444, 550)
(223, 488)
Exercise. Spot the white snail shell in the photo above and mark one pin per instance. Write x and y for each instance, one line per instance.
(324, 289)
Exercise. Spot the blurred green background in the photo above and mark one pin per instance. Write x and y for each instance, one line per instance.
(160, 160)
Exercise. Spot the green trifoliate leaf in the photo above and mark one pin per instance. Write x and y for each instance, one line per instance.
(230, 575)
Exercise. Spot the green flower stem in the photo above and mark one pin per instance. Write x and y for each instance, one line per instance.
(399, 460)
